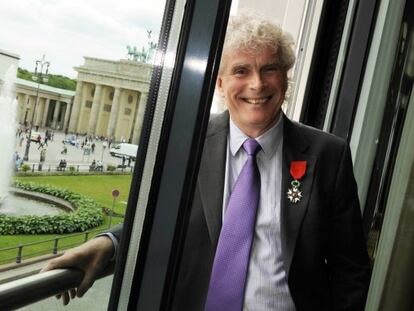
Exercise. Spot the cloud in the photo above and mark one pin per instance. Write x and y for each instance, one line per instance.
(68, 30)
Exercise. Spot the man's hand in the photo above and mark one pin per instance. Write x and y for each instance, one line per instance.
(91, 258)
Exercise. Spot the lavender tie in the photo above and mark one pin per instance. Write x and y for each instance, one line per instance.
(228, 276)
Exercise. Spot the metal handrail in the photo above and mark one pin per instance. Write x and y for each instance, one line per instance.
(28, 290)
(55, 249)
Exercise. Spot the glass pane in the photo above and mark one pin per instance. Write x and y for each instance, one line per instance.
(75, 79)
(291, 241)
(398, 99)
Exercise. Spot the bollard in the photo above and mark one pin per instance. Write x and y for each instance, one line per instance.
(55, 246)
(33, 168)
(19, 254)
(115, 194)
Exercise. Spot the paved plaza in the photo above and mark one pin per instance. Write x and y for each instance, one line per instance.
(75, 154)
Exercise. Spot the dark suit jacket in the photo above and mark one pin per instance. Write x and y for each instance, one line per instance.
(323, 248)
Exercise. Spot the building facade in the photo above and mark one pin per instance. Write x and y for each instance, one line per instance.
(7, 59)
(39, 104)
(110, 99)
(46, 106)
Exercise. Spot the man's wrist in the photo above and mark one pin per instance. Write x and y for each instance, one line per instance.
(115, 243)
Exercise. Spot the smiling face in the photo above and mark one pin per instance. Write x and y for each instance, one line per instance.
(253, 87)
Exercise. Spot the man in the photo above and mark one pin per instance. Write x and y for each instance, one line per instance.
(305, 247)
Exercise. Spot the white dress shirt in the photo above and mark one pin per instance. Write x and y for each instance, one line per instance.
(266, 284)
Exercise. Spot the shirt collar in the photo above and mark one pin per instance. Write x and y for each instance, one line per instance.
(269, 140)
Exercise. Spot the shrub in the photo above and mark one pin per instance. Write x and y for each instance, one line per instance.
(110, 168)
(26, 168)
(87, 214)
(72, 169)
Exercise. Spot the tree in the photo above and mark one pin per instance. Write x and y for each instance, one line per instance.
(57, 81)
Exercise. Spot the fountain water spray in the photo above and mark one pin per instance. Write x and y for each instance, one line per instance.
(8, 106)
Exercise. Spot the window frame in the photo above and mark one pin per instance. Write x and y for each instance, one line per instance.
(175, 172)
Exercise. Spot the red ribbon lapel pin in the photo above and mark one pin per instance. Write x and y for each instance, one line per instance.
(297, 171)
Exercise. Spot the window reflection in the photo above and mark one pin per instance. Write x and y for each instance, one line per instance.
(88, 99)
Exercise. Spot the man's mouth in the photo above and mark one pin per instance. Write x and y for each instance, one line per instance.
(257, 100)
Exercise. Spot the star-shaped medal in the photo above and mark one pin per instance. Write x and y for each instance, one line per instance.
(294, 194)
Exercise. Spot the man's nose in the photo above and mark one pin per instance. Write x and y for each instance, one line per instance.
(257, 81)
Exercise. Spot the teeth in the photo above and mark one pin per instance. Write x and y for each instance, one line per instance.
(256, 101)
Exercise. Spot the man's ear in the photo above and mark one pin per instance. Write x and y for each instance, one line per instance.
(219, 86)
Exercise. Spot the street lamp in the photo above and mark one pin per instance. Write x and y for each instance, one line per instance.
(39, 77)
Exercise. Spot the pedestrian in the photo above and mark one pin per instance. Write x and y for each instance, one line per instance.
(43, 155)
(17, 161)
(41, 144)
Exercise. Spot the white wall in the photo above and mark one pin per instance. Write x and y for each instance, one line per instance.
(6, 60)
(287, 13)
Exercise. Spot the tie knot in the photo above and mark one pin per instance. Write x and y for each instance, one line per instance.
(251, 146)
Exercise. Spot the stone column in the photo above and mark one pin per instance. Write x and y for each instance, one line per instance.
(77, 103)
(35, 109)
(139, 118)
(113, 117)
(59, 123)
(27, 110)
(23, 108)
(93, 119)
(32, 101)
(67, 113)
(45, 111)
(39, 111)
(56, 114)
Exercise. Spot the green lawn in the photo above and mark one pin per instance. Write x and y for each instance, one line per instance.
(98, 187)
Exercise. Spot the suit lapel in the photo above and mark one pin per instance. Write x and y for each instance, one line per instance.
(212, 172)
(295, 148)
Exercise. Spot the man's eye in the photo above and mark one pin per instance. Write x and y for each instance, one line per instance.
(240, 72)
(272, 69)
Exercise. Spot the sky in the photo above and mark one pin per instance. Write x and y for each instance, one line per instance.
(67, 30)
